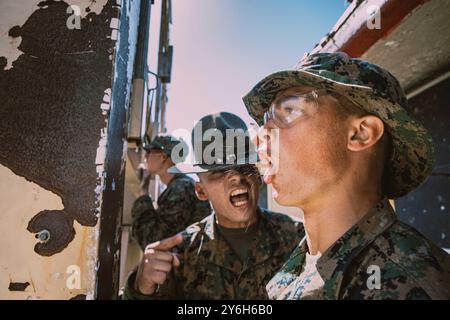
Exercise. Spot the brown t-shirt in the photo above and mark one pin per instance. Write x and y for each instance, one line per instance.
(239, 239)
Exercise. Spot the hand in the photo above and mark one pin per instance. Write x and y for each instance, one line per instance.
(156, 264)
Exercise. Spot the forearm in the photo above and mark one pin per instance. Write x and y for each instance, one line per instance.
(169, 290)
(130, 293)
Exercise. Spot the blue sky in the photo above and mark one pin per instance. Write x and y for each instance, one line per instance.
(224, 47)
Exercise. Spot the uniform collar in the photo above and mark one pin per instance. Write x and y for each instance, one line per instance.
(335, 260)
(265, 245)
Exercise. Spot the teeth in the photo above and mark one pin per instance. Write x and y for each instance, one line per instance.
(264, 164)
(238, 192)
(239, 203)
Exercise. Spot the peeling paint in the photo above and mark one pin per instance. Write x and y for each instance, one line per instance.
(100, 166)
(18, 286)
(20, 264)
(123, 57)
(20, 10)
(55, 138)
(53, 141)
(51, 161)
(114, 25)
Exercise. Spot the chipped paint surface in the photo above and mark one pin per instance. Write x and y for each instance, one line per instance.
(64, 143)
(19, 11)
(112, 198)
(56, 94)
(20, 264)
(64, 100)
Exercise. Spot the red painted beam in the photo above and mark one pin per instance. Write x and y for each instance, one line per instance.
(392, 14)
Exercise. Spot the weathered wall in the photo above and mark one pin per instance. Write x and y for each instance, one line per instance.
(418, 48)
(64, 94)
(42, 277)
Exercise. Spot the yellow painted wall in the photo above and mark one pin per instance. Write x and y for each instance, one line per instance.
(20, 200)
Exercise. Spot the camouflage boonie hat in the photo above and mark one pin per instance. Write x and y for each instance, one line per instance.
(165, 143)
(374, 90)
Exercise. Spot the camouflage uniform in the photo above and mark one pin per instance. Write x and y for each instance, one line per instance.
(410, 265)
(210, 269)
(178, 207)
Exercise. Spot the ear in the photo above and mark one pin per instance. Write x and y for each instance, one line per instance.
(200, 191)
(364, 132)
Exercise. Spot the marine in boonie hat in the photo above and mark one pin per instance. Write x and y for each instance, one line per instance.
(165, 143)
(370, 88)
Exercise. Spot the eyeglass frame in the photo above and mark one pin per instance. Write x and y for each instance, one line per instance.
(268, 117)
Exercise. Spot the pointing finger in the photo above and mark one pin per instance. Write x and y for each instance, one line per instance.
(167, 243)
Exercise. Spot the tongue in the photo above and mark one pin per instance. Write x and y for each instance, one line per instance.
(240, 197)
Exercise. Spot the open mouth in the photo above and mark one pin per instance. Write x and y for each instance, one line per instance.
(267, 169)
(265, 165)
(239, 197)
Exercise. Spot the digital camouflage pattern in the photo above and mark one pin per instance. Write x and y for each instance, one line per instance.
(411, 266)
(374, 90)
(211, 270)
(165, 143)
(178, 207)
